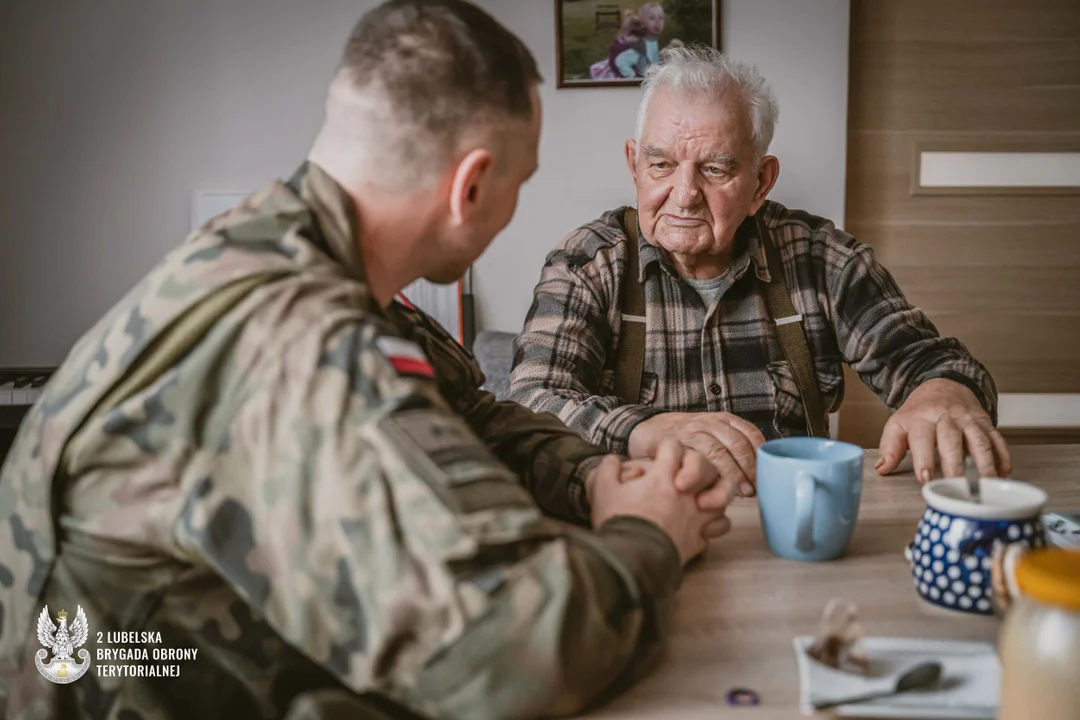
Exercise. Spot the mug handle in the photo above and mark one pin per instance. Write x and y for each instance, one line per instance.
(804, 510)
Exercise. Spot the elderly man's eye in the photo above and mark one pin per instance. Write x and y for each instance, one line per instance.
(661, 165)
(714, 171)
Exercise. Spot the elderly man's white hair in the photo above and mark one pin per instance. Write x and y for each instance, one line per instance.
(704, 70)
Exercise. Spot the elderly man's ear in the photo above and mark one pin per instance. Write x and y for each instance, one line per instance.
(767, 175)
(631, 158)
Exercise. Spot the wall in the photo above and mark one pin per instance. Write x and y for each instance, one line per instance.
(113, 112)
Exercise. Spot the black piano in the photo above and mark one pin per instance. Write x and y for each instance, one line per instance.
(20, 388)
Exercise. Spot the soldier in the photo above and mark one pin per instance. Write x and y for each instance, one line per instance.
(260, 455)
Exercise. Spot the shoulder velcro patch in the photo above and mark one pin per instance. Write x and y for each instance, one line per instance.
(406, 357)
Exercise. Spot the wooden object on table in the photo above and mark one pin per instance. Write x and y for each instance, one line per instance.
(740, 606)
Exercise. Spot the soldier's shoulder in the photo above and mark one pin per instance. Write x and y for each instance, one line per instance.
(354, 334)
(269, 227)
(269, 211)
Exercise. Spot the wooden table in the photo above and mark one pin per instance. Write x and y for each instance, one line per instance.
(741, 606)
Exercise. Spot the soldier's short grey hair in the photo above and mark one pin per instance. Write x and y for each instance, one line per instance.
(704, 70)
(417, 76)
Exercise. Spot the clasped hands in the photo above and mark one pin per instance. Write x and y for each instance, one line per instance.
(678, 490)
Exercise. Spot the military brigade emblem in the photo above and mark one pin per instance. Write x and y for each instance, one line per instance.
(62, 641)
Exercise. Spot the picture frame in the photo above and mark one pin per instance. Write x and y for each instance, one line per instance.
(597, 42)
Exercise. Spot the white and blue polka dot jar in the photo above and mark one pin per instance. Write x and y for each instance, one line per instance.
(951, 554)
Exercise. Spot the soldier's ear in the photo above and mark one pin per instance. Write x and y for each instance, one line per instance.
(467, 184)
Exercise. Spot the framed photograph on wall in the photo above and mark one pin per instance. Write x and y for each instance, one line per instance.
(610, 43)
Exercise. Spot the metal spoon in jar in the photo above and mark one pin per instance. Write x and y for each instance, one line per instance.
(973, 475)
(923, 675)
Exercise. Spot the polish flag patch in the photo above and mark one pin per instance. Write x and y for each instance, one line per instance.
(406, 357)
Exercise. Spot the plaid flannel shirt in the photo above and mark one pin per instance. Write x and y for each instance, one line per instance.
(725, 357)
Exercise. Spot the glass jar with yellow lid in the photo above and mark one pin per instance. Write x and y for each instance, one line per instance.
(1039, 644)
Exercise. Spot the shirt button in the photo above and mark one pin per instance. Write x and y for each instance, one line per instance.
(714, 389)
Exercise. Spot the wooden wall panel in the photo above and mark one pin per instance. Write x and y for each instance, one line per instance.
(992, 289)
(880, 166)
(1025, 353)
(1023, 245)
(999, 272)
(970, 114)
(864, 417)
(964, 20)
(1042, 436)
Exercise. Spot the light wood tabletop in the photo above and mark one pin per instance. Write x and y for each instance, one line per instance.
(740, 606)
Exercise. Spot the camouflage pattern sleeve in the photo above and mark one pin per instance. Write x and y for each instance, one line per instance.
(375, 533)
(551, 459)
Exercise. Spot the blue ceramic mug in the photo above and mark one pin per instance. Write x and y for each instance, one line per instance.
(952, 553)
(808, 495)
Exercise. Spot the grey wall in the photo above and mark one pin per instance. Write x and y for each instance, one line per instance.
(113, 112)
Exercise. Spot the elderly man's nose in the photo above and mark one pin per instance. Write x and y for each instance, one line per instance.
(687, 191)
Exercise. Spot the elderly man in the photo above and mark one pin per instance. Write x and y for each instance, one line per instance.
(260, 459)
(746, 309)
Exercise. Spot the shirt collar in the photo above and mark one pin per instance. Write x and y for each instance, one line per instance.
(745, 237)
(754, 247)
(334, 214)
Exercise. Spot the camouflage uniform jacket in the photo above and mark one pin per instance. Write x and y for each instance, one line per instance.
(232, 458)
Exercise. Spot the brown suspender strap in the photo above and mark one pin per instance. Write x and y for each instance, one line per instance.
(789, 330)
(630, 353)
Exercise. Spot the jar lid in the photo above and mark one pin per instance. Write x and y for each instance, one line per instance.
(1051, 575)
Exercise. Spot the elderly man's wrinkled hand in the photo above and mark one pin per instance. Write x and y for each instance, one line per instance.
(945, 416)
(725, 440)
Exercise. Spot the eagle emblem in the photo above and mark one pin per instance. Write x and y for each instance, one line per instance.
(63, 641)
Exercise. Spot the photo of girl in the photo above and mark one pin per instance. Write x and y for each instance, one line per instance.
(601, 43)
(631, 34)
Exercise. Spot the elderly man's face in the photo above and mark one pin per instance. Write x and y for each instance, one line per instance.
(695, 175)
